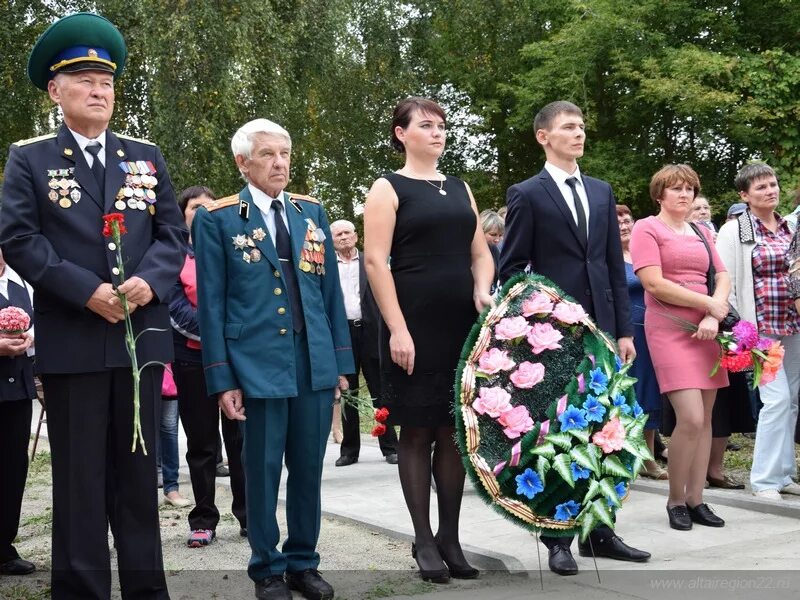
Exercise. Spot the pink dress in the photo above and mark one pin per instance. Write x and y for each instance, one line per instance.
(680, 361)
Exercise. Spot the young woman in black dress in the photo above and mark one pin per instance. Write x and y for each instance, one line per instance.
(425, 224)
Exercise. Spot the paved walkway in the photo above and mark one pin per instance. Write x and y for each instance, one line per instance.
(758, 552)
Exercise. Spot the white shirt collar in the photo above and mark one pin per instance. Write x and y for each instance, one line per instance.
(263, 200)
(10, 274)
(560, 176)
(355, 257)
(83, 141)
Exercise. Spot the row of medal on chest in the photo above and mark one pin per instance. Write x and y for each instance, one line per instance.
(137, 194)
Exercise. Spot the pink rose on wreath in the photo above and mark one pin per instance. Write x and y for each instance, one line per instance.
(537, 304)
(569, 312)
(493, 401)
(511, 328)
(516, 422)
(14, 321)
(611, 437)
(544, 336)
(495, 360)
(527, 375)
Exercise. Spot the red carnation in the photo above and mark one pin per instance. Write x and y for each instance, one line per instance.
(737, 362)
(381, 415)
(378, 430)
(108, 224)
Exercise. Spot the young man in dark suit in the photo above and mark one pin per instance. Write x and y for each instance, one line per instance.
(563, 225)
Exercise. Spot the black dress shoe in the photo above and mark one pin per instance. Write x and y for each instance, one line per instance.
(391, 458)
(703, 515)
(17, 566)
(679, 517)
(612, 547)
(463, 571)
(561, 561)
(311, 584)
(273, 588)
(344, 461)
(431, 575)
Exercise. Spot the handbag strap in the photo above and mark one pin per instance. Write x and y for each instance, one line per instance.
(711, 276)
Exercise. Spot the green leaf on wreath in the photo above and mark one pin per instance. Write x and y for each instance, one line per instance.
(612, 465)
(594, 489)
(561, 439)
(600, 509)
(609, 491)
(561, 465)
(542, 467)
(580, 434)
(588, 523)
(603, 399)
(638, 464)
(585, 458)
(546, 450)
(638, 448)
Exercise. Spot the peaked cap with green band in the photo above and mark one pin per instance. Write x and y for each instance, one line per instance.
(80, 41)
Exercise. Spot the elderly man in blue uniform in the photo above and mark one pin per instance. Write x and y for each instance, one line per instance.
(275, 347)
(56, 190)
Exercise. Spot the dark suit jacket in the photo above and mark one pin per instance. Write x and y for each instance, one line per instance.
(541, 231)
(62, 253)
(370, 314)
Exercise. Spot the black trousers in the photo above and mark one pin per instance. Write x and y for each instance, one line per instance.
(366, 363)
(15, 432)
(97, 480)
(200, 417)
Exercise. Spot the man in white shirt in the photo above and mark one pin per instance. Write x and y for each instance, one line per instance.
(362, 317)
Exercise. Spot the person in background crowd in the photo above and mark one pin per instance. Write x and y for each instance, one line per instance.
(17, 390)
(276, 347)
(362, 317)
(168, 461)
(54, 240)
(791, 218)
(701, 213)
(199, 411)
(672, 261)
(734, 210)
(501, 212)
(754, 248)
(439, 280)
(493, 229)
(646, 386)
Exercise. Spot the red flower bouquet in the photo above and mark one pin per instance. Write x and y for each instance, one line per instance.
(14, 321)
(365, 408)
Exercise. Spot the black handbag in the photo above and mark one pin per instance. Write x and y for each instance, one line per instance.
(732, 318)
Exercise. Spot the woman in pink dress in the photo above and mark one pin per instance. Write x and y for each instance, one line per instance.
(672, 262)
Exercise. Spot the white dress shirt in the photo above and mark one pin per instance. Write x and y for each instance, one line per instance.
(351, 285)
(264, 203)
(560, 177)
(83, 141)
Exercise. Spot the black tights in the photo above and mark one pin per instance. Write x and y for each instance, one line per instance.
(415, 466)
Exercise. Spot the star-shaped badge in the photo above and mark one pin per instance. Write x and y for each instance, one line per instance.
(259, 234)
(240, 241)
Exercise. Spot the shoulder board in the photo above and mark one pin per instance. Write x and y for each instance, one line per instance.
(303, 198)
(133, 139)
(33, 140)
(222, 203)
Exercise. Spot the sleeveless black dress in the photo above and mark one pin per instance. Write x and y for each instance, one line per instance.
(431, 265)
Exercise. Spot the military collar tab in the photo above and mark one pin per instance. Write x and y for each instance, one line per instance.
(244, 209)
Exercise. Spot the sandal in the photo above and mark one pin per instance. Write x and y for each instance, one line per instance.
(200, 537)
(655, 472)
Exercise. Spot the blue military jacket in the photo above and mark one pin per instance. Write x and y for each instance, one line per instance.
(51, 234)
(244, 311)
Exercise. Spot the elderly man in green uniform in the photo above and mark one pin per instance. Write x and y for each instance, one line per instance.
(56, 190)
(275, 346)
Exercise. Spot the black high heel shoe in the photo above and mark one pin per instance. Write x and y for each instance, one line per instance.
(434, 575)
(467, 572)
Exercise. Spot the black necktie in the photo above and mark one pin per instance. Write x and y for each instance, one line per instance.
(572, 182)
(98, 170)
(284, 247)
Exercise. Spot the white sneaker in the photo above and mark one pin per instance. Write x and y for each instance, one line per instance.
(768, 494)
(792, 488)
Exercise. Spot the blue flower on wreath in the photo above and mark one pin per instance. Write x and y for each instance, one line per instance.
(573, 418)
(578, 472)
(529, 484)
(567, 510)
(637, 410)
(620, 488)
(619, 400)
(594, 410)
(598, 381)
(617, 363)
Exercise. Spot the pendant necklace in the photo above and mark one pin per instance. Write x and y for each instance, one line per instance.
(439, 187)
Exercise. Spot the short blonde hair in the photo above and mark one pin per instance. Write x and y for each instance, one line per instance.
(669, 175)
